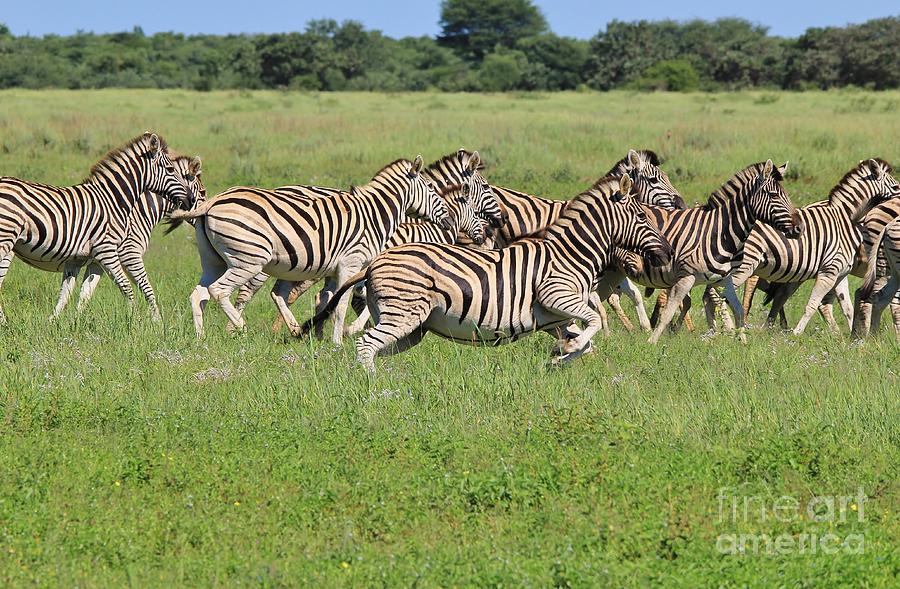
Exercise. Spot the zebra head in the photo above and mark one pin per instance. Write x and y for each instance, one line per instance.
(651, 184)
(190, 170)
(422, 198)
(633, 230)
(485, 201)
(771, 204)
(877, 182)
(462, 208)
(161, 174)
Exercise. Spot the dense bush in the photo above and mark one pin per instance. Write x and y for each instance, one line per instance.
(490, 45)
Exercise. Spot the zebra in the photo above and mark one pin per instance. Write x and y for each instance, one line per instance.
(58, 229)
(873, 227)
(529, 215)
(827, 249)
(466, 221)
(498, 296)
(149, 210)
(300, 234)
(705, 239)
(888, 242)
(452, 170)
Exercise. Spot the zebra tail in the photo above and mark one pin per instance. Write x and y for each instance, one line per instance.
(181, 214)
(872, 267)
(323, 315)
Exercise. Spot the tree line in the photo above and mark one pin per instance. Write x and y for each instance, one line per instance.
(484, 45)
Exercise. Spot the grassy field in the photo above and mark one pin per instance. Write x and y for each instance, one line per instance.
(133, 454)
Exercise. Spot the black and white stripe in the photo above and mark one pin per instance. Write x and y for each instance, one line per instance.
(59, 229)
(299, 233)
(497, 296)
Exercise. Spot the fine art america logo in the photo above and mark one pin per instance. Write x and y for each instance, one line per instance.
(819, 514)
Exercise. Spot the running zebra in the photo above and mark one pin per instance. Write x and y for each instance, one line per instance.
(887, 242)
(300, 234)
(465, 221)
(493, 297)
(59, 229)
(462, 168)
(706, 239)
(149, 210)
(529, 215)
(827, 249)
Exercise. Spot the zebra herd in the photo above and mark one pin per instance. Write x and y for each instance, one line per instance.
(438, 249)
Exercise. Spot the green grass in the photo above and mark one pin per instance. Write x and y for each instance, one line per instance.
(131, 453)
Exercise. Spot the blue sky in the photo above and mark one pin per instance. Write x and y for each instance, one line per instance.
(398, 18)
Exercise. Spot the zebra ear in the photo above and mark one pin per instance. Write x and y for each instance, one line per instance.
(154, 144)
(465, 191)
(767, 168)
(625, 185)
(474, 161)
(418, 164)
(634, 158)
(194, 166)
(877, 170)
(782, 169)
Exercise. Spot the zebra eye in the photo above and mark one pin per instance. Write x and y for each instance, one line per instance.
(170, 169)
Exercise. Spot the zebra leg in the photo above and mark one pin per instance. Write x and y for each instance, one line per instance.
(825, 281)
(634, 293)
(5, 261)
(133, 262)
(782, 292)
(280, 291)
(298, 290)
(661, 300)
(676, 294)
(882, 298)
(573, 304)
(616, 306)
(107, 255)
(362, 317)
(247, 292)
(710, 304)
(340, 311)
(749, 291)
(232, 279)
(895, 314)
(70, 273)
(736, 308)
(92, 277)
(397, 328)
(842, 290)
(597, 305)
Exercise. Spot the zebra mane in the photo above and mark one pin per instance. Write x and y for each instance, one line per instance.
(112, 154)
(721, 196)
(452, 159)
(646, 154)
(854, 173)
(393, 164)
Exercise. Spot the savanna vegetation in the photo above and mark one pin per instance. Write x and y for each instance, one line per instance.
(132, 453)
(484, 45)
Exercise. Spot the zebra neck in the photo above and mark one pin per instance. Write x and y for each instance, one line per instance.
(583, 254)
(852, 203)
(122, 177)
(383, 208)
(734, 219)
